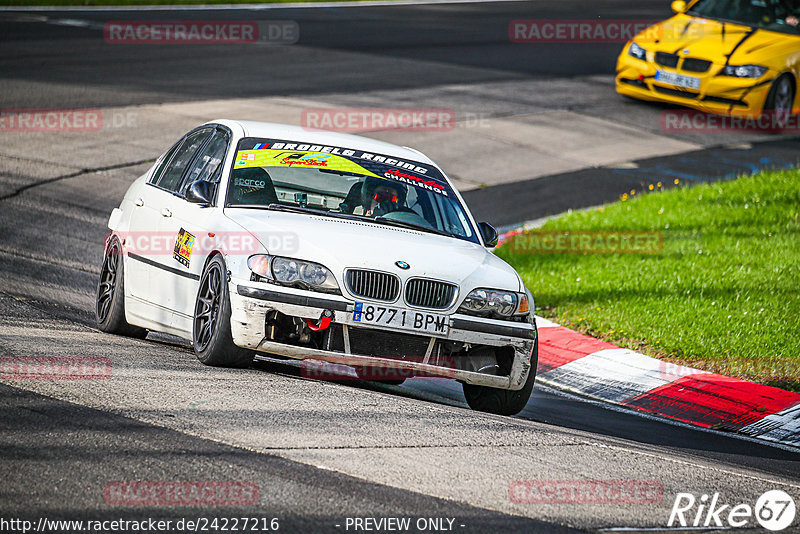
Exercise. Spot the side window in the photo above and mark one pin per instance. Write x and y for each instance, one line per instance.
(164, 162)
(171, 178)
(208, 162)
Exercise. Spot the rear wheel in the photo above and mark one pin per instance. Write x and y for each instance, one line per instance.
(110, 296)
(780, 100)
(502, 401)
(211, 332)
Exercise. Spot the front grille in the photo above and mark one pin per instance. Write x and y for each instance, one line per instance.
(691, 64)
(723, 100)
(675, 92)
(373, 285)
(430, 293)
(384, 344)
(667, 60)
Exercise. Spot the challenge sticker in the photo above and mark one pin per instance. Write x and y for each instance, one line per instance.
(183, 248)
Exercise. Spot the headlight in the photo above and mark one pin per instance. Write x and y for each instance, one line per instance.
(493, 302)
(295, 273)
(744, 71)
(637, 51)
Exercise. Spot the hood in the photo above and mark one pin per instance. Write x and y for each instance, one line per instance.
(339, 244)
(711, 39)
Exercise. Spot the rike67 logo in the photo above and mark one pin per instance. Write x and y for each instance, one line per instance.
(774, 510)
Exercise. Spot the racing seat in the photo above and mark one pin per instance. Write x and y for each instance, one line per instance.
(352, 200)
(253, 186)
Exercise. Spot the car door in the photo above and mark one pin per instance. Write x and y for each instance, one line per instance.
(141, 240)
(161, 196)
(190, 228)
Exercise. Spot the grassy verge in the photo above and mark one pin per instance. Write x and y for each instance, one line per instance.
(722, 295)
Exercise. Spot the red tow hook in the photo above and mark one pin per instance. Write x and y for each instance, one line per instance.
(323, 323)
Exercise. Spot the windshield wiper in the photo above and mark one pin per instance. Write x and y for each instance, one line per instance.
(411, 226)
(379, 219)
(340, 173)
(296, 209)
(312, 211)
(338, 215)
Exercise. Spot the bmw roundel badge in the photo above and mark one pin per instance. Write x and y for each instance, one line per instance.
(402, 265)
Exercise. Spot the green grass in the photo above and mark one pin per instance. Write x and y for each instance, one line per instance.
(144, 2)
(723, 295)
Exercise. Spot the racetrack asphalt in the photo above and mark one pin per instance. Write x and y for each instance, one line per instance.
(319, 451)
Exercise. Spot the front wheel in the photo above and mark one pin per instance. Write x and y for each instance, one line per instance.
(110, 296)
(780, 101)
(503, 401)
(211, 332)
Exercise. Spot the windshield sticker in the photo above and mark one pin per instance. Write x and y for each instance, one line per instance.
(296, 158)
(430, 185)
(245, 182)
(274, 153)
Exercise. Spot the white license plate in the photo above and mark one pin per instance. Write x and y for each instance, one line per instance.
(416, 321)
(678, 79)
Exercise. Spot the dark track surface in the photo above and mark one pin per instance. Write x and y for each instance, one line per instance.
(455, 43)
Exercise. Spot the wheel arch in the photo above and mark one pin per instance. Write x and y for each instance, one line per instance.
(794, 79)
(211, 255)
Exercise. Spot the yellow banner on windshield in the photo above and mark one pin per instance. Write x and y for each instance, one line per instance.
(298, 159)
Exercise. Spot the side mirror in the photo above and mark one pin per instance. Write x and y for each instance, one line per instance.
(489, 234)
(200, 192)
(678, 6)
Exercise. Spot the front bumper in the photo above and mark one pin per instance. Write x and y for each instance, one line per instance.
(721, 95)
(250, 303)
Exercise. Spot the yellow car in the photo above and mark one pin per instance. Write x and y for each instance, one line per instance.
(729, 57)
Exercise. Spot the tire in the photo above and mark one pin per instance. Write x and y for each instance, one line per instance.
(211, 331)
(109, 310)
(780, 100)
(503, 401)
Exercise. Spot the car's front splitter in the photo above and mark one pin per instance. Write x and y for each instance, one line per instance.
(250, 305)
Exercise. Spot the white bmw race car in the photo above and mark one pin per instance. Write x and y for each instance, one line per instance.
(250, 237)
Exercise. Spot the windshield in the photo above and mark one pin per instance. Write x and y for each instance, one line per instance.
(339, 181)
(775, 15)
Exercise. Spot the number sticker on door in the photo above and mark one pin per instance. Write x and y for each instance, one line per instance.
(183, 248)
